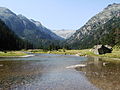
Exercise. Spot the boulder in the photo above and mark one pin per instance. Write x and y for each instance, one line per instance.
(102, 49)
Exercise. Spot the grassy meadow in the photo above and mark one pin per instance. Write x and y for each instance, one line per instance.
(86, 52)
(12, 54)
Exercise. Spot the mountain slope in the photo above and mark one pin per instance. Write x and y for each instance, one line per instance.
(91, 33)
(64, 33)
(9, 41)
(11, 20)
(25, 28)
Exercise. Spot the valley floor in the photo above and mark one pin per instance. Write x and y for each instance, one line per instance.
(86, 52)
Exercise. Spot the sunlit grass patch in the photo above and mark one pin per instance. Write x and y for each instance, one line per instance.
(114, 54)
(12, 53)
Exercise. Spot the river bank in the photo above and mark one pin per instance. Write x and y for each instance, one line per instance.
(115, 55)
(13, 54)
(86, 52)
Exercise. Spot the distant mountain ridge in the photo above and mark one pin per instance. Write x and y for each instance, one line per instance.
(28, 29)
(91, 34)
(64, 33)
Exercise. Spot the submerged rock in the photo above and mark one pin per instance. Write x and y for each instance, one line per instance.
(75, 66)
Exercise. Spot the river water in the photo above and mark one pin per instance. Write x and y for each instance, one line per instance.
(49, 72)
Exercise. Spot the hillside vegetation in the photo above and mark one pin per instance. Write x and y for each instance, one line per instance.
(10, 41)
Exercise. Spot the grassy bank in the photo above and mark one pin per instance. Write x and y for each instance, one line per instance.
(86, 52)
(12, 54)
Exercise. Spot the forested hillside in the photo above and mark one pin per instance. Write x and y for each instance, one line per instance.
(10, 41)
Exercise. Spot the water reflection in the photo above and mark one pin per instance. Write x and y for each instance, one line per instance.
(103, 74)
(16, 73)
(42, 72)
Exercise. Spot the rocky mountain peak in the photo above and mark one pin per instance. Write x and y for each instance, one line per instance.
(6, 11)
(104, 16)
(111, 11)
(111, 6)
(64, 33)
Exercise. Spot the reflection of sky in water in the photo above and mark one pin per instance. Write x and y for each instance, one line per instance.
(48, 57)
(43, 72)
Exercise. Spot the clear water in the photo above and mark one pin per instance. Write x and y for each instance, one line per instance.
(46, 72)
(103, 74)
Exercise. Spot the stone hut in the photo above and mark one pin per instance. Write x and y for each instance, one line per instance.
(102, 49)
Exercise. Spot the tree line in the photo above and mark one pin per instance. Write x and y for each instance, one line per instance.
(10, 41)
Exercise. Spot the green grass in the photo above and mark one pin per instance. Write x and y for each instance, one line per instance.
(114, 54)
(12, 53)
(86, 52)
(37, 51)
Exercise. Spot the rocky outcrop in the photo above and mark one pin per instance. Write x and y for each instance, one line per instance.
(101, 49)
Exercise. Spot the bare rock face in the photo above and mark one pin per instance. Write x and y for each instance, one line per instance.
(101, 49)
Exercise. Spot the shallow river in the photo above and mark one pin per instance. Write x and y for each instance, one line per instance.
(49, 72)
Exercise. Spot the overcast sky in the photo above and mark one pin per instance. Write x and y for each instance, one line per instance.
(58, 14)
